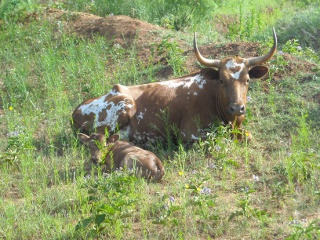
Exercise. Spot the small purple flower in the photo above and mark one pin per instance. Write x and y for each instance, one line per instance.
(246, 189)
(299, 48)
(212, 165)
(13, 134)
(171, 199)
(280, 52)
(294, 222)
(249, 99)
(217, 148)
(205, 191)
(87, 177)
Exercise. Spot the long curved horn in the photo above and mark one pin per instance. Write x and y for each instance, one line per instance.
(203, 60)
(268, 56)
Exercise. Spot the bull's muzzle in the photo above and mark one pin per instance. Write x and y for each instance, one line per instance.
(237, 109)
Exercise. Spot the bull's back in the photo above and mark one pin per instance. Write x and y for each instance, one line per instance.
(134, 91)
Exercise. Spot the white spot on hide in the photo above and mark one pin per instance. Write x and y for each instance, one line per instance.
(112, 93)
(186, 83)
(231, 64)
(140, 116)
(112, 110)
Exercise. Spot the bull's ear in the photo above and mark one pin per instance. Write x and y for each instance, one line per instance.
(258, 71)
(210, 73)
(83, 137)
(113, 138)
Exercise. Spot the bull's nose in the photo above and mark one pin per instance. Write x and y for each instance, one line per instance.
(237, 109)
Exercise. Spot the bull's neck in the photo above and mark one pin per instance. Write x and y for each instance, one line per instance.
(217, 106)
(221, 110)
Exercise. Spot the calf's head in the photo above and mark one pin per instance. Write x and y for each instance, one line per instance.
(234, 74)
(97, 144)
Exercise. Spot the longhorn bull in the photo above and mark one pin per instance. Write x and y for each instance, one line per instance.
(191, 103)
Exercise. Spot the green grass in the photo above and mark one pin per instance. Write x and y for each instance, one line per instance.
(268, 189)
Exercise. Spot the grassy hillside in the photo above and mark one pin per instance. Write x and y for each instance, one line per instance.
(218, 188)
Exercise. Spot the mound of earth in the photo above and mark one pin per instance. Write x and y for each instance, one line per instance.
(125, 31)
(119, 29)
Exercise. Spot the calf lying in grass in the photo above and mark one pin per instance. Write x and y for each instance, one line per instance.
(114, 154)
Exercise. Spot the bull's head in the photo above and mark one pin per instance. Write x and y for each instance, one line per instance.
(234, 74)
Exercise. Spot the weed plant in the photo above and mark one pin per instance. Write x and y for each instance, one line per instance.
(302, 26)
(216, 188)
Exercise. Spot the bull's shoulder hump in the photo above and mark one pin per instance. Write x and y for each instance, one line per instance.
(119, 88)
(136, 91)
